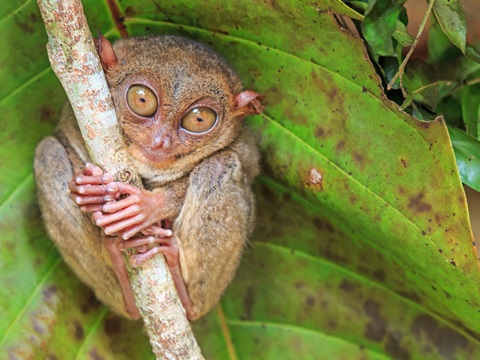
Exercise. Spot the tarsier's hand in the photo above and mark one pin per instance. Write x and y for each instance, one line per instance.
(128, 216)
(92, 188)
(95, 191)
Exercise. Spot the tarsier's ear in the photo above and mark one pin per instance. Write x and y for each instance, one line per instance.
(248, 102)
(106, 53)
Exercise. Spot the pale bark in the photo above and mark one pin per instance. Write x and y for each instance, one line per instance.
(75, 61)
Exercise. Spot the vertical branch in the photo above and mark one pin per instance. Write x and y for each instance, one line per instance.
(401, 69)
(75, 61)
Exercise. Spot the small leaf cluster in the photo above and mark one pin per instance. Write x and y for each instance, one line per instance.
(446, 83)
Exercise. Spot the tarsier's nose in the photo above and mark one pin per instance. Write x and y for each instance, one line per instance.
(161, 142)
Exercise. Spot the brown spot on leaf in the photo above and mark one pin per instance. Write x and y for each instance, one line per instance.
(375, 329)
(24, 26)
(417, 205)
(340, 146)
(90, 303)
(447, 341)
(310, 300)
(319, 132)
(299, 285)
(39, 325)
(392, 347)
(46, 113)
(318, 223)
(379, 275)
(424, 325)
(94, 355)
(358, 158)
(50, 292)
(78, 330)
(249, 301)
(410, 295)
(112, 326)
(404, 163)
(347, 286)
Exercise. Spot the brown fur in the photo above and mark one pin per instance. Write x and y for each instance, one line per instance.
(207, 178)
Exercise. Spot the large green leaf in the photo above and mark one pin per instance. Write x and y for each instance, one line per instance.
(363, 247)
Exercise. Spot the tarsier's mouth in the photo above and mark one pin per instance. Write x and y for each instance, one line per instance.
(156, 155)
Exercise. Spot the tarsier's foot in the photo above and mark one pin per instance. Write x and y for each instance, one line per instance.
(164, 243)
(154, 240)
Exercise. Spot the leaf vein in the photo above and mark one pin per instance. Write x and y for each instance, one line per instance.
(14, 12)
(20, 88)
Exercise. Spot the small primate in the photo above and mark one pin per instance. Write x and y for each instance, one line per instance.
(180, 109)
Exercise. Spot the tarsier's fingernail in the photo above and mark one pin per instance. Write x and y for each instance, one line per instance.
(108, 198)
(78, 179)
(78, 199)
(81, 190)
(111, 188)
(105, 178)
(168, 233)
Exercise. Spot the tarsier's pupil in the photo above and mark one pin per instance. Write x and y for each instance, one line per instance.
(199, 119)
(142, 100)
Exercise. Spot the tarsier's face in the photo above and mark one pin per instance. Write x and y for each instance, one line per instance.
(177, 101)
(162, 127)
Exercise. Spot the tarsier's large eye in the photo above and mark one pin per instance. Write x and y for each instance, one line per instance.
(199, 120)
(141, 100)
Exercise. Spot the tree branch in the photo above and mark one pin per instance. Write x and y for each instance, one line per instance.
(75, 61)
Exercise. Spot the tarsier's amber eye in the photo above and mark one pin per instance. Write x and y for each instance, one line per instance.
(199, 120)
(141, 100)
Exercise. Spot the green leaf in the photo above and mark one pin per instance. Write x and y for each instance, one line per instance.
(451, 18)
(470, 96)
(466, 149)
(380, 24)
(440, 48)
(363, 247)
(472, 53)
(401, 34)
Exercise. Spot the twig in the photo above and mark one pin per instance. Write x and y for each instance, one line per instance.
(75, 61)
(401, 69)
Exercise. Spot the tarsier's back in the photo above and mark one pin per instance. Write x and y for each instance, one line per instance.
(180, 107)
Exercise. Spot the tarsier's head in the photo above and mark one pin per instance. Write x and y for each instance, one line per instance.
(177, 100)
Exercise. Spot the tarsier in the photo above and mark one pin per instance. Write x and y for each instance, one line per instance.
(180, 108)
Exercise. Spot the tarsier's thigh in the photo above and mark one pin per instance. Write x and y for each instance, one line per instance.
(213, 226)
(77, 239)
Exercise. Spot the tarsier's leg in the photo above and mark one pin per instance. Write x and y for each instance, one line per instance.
(77, 239)
(212, 228)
